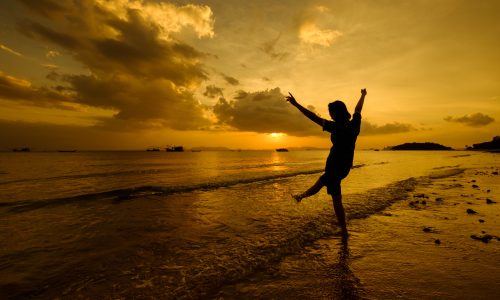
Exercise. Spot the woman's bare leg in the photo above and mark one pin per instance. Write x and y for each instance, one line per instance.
(311, 191)
(339, 212)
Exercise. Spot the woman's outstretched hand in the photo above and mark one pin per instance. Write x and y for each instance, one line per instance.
(364, 92)
(291, 99)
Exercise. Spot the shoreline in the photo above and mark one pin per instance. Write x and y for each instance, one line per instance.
(420, 247)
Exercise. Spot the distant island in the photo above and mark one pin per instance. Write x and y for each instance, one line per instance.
(494, 144)
(419, 146)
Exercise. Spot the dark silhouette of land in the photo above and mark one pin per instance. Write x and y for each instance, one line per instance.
(419, 146)
(494, 144)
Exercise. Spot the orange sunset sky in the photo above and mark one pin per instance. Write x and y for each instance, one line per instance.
(128, 74)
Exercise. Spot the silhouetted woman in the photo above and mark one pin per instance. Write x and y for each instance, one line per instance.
(344, 132)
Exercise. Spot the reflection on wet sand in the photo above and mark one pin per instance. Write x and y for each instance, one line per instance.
(347, 285)
(321, 271)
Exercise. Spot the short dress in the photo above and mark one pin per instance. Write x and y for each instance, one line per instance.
(339, 161)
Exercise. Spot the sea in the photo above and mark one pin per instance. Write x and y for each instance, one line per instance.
(170, 225)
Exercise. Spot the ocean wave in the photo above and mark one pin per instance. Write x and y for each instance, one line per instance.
(358, 166)
(140, 191)
(254, 166)
(147, 190)
(445, 167)
(446, 172)
(133, 172)
(91, 175)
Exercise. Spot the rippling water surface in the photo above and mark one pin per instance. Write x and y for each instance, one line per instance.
(179, 224)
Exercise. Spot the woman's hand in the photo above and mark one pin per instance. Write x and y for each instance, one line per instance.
(291, 99)
(312, 116)
(359, 106)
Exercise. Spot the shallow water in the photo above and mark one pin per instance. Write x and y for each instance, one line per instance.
(141, 224)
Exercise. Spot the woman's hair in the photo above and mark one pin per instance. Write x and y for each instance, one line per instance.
(339, 111)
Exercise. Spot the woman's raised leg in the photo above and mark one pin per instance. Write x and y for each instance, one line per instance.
(311, 191)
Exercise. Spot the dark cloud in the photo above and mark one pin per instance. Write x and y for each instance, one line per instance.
(211, 91)
(12, 88)
(230, 80)
(53, 75)
(46, 8)
(34, 29)
(158, 101)
(269, 48)
(267, 111)
(473, 120)
(368, 128)
(135, 67)
(264, 112)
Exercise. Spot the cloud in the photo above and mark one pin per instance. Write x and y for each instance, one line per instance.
(322, 8)
(269, 48)
(309, 33)
(267, 112)
(50, 67)
(473, 120)
(46, 8)
(314, 27)
(230, 80)
(52, 54)
(15, 89)
(168, 17)
(368, 128)
(264, 112)
(5, 48)
(135, 66)
(211, 91)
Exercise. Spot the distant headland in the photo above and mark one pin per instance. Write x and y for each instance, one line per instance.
(494, 144)
(419, 146)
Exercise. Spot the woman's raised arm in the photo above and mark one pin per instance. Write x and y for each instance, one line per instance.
(359, 106)
(312, 116)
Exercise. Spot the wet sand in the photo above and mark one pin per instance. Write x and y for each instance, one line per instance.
(426, 246)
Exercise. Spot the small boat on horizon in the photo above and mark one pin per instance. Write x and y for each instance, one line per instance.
(153, 149)
(175, 149)
(24, 149)
(282, 150)
(66, 150)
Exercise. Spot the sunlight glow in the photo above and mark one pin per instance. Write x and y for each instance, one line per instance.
(276, 134)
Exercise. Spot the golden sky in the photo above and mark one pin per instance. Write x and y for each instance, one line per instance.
(128, 74)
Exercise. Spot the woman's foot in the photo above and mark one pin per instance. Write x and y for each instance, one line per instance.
(298, 197)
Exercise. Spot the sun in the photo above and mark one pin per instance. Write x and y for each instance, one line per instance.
(276, 134)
